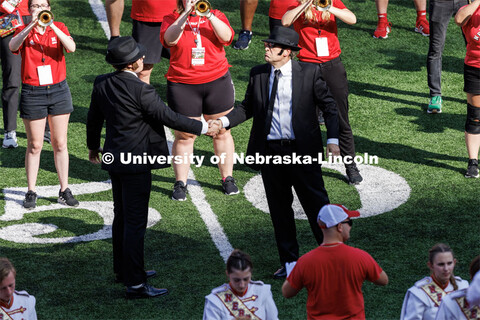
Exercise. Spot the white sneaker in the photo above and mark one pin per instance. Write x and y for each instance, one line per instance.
(10, 140)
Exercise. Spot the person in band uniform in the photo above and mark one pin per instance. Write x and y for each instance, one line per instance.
(423, 299)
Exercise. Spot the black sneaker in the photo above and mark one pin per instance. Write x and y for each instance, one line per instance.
(66, 198)
(30, 201)
(229, 186)
(244, 39)
(179, 191)
(353, 174)
(472, 169)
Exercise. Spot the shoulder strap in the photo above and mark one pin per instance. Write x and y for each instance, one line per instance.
(434, 292)
(235, 305)
(470, 313)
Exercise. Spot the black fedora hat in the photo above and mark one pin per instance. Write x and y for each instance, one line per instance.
(284, 37)
(124, 50)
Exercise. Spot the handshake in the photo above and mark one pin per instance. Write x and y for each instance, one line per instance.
(214, 128)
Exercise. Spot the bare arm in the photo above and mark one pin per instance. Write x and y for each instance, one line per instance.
(290, 16)
(17, 41)
(382, 280)
(66, 41)
(221, 29)
(288, 291)
(465, 13)
(114, 10)
(175, 31)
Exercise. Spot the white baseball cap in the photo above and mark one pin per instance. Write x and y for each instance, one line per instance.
(333, 214)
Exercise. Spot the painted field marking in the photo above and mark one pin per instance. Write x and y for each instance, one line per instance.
(380, 191)
(26, 232)
(214, 227)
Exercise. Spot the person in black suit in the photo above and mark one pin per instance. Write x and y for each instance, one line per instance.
(134, 115)
(285, 124)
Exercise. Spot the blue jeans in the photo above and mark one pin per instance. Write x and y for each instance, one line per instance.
(440, 12)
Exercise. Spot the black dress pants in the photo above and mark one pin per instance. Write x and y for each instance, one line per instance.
(278, 181)
(335, 76)
(131, 194)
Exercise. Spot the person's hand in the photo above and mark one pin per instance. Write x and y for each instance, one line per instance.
(190, 5)
(332, 149)
(94, 156)
(214, 127)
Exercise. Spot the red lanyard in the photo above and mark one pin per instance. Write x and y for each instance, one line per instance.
(40, 44)
(194, 30)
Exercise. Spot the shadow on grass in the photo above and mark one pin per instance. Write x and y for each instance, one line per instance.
(397, 151)
(409, 61)
(433, 123)
(370, 90)
(79, 168)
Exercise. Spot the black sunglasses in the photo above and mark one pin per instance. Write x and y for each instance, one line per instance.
(350, 222)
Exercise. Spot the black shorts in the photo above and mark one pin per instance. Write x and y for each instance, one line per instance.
(39, 102)
(193, 100)
(471, 79)
(148, 34)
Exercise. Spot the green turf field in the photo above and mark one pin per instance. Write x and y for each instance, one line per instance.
(388, 98)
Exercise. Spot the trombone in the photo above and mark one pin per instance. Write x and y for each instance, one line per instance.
(45, 18)
(202, 8)
(322, 5)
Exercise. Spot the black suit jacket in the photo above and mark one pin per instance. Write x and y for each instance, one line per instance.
(135, 116)
(309, 90)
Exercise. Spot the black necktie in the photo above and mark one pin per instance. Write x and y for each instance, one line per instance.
(271, 102)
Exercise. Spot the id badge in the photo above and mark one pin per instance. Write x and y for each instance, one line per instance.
(45, 75)
(322, 47)
(198, 56)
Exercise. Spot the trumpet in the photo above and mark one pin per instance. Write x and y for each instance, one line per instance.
(202, 8)
(45, 18)
(322, 5)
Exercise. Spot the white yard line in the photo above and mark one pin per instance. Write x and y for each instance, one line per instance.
(195, 190)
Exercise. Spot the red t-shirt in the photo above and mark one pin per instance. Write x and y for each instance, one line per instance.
(333, 277)
(471, 30)
(309, 31)
(37, 46)
(181, 69)
(22, 7)
(152, 10)
(279, 7)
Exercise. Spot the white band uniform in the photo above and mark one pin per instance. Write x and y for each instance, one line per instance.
(418, 305)
(258, 300)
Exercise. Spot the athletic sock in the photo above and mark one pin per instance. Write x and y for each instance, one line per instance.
(422, 14)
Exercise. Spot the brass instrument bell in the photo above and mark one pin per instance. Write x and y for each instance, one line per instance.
(45, 18)
(202, 8)
(322, 5)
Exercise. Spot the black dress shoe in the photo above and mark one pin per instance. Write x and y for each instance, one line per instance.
(145, 291)
(150, 274)
(280, 273)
